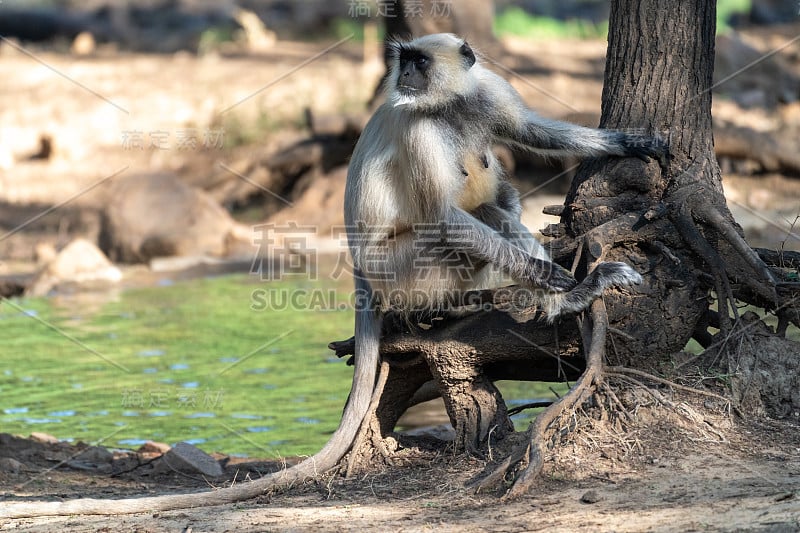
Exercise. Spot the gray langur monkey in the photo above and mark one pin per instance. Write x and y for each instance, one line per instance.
(424, 187)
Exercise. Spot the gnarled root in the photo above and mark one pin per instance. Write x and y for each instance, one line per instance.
(528, 460)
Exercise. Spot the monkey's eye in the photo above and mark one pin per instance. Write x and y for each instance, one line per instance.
(421, 61)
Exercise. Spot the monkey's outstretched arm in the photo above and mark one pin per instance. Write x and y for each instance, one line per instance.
(556, 138)
(512, 121)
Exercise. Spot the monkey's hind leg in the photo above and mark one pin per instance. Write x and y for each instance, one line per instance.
(605, 275)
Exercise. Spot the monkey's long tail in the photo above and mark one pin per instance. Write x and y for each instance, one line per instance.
(367, 345)
(605, 275)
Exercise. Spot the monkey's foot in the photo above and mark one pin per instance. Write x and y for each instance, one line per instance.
(616, 274)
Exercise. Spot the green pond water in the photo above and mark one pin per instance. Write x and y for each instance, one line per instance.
(229, 363)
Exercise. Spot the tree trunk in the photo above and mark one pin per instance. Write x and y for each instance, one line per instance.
(657, 80)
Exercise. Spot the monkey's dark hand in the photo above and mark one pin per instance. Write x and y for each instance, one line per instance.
(645, 147)
(345, 348)
(551, 276)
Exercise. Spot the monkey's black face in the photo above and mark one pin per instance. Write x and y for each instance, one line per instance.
(414, 67)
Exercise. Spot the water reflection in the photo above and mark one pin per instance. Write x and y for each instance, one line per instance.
(258, 429)
(131, 442)
(41, 420)
(151, 353)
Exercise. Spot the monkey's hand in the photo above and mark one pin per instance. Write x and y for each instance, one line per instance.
(550, 276)
(645, 147)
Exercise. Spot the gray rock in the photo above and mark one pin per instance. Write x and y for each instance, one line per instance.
(591, 496)
(192, 460)
(10, 465)
(95, 455)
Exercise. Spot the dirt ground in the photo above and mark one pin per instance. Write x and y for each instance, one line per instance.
(671, 482)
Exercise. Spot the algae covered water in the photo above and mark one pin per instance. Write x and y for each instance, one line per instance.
(225, 363)
(228, 363)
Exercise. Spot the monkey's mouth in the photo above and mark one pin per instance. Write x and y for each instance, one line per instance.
(406, 90)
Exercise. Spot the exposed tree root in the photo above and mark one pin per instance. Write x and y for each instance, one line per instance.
(682, 218)
(621, 371)
(710, 214)
(532, 455)
(309, 469)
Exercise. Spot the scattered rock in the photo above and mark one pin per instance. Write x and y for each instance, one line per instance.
(79, 262)
(158, 215)
(591, 496)
(44, 252)
(10, 465)
(44, 438)
(153, 447)
(95, 455)
(83, 44)
(192, 460)
(151, 450)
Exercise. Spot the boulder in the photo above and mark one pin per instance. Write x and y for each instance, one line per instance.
(157, 215)
(96, 455)
(79, 262)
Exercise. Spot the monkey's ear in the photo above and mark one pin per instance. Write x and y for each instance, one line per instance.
(393, 46)
(467, 53)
